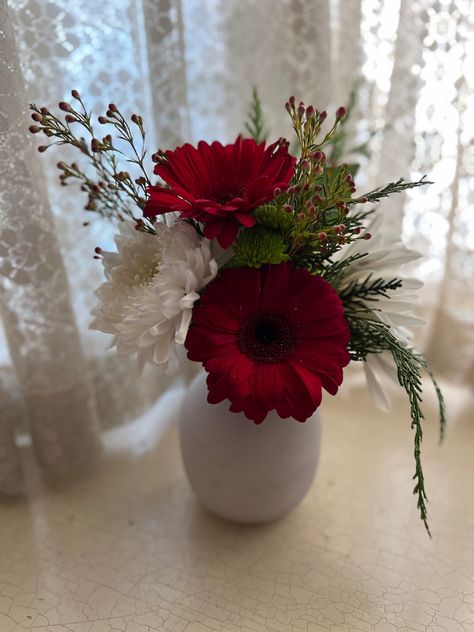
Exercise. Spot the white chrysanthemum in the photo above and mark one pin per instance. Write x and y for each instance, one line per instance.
(385, 260)
(152, 284)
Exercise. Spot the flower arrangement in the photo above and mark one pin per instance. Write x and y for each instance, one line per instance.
(265, 265)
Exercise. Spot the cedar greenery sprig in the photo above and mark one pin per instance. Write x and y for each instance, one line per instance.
(110, 189)
(394, 187)
(254, 124)
(370, 335)
(440, 398)
(369, 289)
(333, 271)
(409, 376)
(373, 336)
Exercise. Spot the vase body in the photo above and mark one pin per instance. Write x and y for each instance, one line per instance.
(241, 471)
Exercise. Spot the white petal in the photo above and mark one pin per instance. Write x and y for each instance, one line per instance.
(152, 283)
(162, 351)
(411, 284)
(173, 362)
(182, 330)
(404, 319)
(188, 301)
(386, 363)
(374, 387)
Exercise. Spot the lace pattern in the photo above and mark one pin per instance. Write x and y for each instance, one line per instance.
(36, 311)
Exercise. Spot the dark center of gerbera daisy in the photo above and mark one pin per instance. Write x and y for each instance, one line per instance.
(224, 191)
(267, 337)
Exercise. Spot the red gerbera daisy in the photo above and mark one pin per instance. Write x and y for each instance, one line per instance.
(220, 185)
(270, 338)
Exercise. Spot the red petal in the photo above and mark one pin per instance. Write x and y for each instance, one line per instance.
(224, 232)
(275, 287)
(246, 220)
(243, 288)
(254, 411)
(163, 201)
(216, 317)
(300, 402)
(228, 234)
(311, 382)
(267, 384)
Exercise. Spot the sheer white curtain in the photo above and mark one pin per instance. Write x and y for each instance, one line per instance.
(189, 66)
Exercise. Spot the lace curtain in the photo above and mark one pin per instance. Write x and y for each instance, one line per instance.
(188, 67)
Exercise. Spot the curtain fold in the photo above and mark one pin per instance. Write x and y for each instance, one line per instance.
(11, 475)
(439, 220)
(452, 323)
(397, 148)
(347, 51)
(188, 66)
(163, 24)
(36, 312)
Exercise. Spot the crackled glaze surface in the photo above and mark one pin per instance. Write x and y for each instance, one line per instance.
(129, 550)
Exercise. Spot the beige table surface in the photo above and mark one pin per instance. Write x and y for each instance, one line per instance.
(128, 549)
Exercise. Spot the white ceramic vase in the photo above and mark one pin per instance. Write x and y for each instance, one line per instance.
(241, 471)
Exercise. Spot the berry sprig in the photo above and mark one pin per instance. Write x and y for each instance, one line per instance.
(317, 202)
(108, 186)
